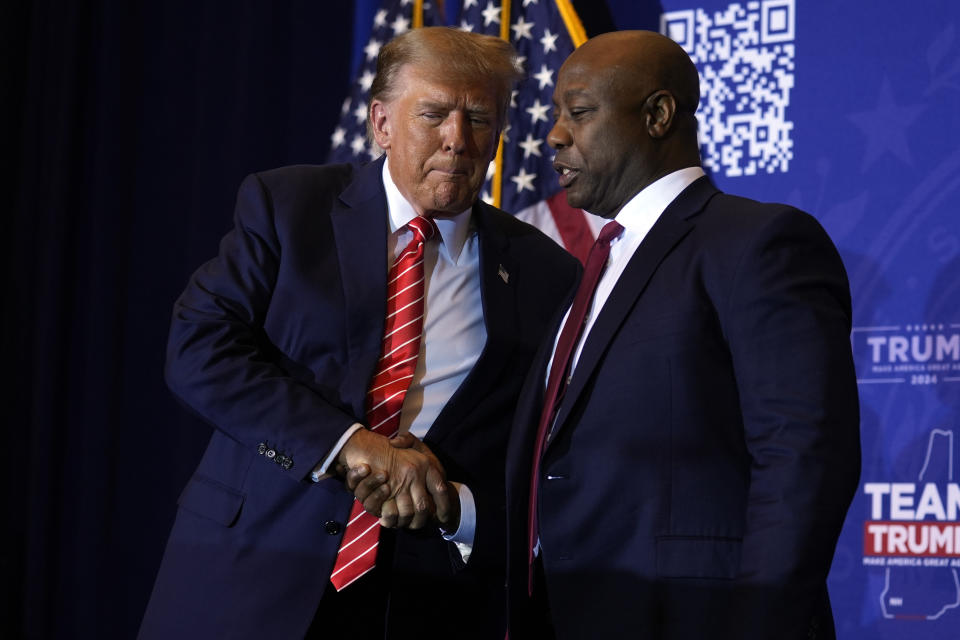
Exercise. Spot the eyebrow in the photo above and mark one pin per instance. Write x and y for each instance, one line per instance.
(569, 95)
(481, 109)
(431, 103)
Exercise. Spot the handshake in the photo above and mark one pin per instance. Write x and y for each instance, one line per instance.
(398, 480)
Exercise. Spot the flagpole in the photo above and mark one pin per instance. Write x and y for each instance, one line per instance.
(505, 20)
(495, 182)
(570, 18)
(418, 14)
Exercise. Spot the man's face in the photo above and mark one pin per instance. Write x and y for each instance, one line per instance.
(439, 136)
(603, 150)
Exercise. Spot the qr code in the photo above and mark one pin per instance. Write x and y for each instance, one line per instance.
(745, 55)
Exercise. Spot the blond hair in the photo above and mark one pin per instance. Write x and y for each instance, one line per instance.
(461, 54)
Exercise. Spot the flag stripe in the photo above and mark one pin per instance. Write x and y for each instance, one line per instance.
(573, 228)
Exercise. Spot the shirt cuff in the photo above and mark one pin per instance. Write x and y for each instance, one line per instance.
(463, 536)
(320, 471)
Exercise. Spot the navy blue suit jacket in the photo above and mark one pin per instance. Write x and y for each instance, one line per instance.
(274, 343)
(707, 447)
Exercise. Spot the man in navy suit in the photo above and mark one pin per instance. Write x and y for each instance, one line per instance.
(275, 342)
(704, 449)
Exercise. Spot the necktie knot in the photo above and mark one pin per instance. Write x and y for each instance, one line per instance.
(423, 228)
(611, 230)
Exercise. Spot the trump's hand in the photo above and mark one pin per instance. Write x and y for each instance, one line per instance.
(373, 491)
(406, 473)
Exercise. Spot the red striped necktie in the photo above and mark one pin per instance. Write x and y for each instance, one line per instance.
(557, 380)
(398, 362)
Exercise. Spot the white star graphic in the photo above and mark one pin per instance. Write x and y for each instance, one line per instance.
(531, 146)
(487, 198)
(338, 137)
(491, 169)
(469, 3)
(491, 14)
(360, 113)
(522, 62)
(549, 41)
(400, 25)
(545, 77)
(527, 3)
(404, 3)
(372, 49)
(523, 180)
(346, 106)
(513, 98)
(538, 112)
(521, 29)
(465, 26)
(359, 144)
(380, 20)
(506, 133)
(367, 79)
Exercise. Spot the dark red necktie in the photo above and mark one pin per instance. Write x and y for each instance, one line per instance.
(398, 362)
(557, 381)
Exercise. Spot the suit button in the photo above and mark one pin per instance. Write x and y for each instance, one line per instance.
(271, 453)
(332, 527)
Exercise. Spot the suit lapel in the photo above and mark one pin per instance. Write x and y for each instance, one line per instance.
(498, 293)
(675, 223)
(360, 231)
(498, 278)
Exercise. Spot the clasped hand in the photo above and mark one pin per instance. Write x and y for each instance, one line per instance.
(399, 480)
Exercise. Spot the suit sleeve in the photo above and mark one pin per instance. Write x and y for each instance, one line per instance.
(790, 318)
(220, 361)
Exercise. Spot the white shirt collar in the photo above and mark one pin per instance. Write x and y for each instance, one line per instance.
(453, 229)
(653, 199)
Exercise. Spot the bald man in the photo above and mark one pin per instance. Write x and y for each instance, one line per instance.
(684, 454)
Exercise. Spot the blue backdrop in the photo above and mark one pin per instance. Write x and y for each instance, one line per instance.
(852, 112)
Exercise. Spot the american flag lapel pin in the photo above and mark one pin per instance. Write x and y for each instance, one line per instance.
(503, 274)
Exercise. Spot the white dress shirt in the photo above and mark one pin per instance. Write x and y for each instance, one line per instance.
(453, 331)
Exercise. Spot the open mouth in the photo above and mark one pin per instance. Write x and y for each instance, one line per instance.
(567, 174)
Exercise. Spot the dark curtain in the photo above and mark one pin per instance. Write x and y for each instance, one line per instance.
(128, 128)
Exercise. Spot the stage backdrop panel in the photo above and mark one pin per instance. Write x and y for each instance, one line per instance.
(851, 111)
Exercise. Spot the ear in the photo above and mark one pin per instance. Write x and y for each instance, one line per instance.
(380, 121)
(660, 108)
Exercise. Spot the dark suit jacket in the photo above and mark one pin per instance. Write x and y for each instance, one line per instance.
(274, 343)
(707, 447)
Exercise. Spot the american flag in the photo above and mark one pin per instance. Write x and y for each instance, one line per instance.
(521, 180)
